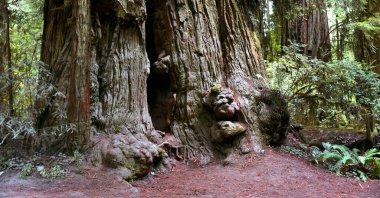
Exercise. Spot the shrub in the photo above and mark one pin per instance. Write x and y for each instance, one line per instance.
(78, 160)
(56, 172)
(26, 170)
(319, 93)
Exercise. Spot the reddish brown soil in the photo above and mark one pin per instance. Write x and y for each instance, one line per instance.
(274, 174)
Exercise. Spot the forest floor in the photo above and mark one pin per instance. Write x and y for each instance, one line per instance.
(273, 174)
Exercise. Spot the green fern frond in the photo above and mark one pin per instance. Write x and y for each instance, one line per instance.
(348, 158)
(342, 149)
(347, 161)
(377, 168)
(338, 167)
(356, 152)
(362, 175)
(327, 155)
(362, 159)
(371, 153)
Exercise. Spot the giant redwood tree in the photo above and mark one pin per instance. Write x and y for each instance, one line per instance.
(136, 76)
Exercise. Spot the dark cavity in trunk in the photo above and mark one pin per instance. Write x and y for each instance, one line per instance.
(160, 97)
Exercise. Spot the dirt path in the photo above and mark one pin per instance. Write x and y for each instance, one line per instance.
(274, 174)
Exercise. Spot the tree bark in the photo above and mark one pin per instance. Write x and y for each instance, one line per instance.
(120, 70)
(207, 42)
(66, 49)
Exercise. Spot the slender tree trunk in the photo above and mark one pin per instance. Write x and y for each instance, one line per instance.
(339, 53)
(3, 41)
(10, 70)
(6, 97)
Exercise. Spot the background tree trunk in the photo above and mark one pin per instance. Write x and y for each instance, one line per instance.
(309, 27)
(3, 47)
(6, 97)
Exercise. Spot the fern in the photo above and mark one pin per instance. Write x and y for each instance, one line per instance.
(327, 155)
(342, 160)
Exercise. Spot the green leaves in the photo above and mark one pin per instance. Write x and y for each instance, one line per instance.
(331, 85)
(26, 21)
(26, 170)
(326, 156)
(56, 172)
(13, 127)
(342, 160)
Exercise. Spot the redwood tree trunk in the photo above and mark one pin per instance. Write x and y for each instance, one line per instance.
(120, 69)
(207, 43)
(66, 49)
(152, 67)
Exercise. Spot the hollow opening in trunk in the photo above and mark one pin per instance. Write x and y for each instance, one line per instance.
(159, 94)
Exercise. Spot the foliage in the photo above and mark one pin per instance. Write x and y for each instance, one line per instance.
(26, 170)
(78, 160)
(25, 35)
(372, 24)
(329, 88)
(344, 161)
(56, 172)
(22, 75)
(15, 127)
(343, 15)
(3, 163)
(300, 152)
(22, 125)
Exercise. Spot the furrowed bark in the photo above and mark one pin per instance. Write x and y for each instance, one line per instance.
(208, 42)
(66, 51)
(120, 69)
